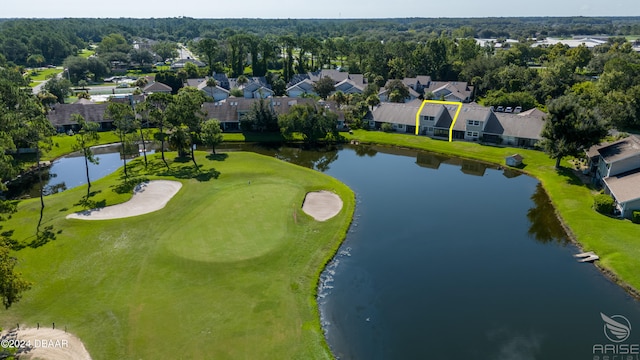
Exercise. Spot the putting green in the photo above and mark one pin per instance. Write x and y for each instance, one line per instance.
(218, 235)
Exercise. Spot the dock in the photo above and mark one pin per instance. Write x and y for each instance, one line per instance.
(588, 256)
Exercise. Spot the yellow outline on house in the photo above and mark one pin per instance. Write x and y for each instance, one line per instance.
(455, 117)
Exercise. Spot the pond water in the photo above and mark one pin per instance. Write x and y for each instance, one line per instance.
(446, 259)
(69, 171)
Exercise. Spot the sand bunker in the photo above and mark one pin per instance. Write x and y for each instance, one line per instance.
(147, 197)
(322, 205)
(47, 344)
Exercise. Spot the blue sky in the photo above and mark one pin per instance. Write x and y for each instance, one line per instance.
(316, 9)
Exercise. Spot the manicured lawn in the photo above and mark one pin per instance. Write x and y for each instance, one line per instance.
(253, 137)
(44, 74)
(227, 270)
(85, 53)
(617, 242)
(63, 144)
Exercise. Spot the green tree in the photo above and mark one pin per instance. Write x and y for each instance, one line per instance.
(165, 49)
(312, 122)
(185, 114)
(209, 48)
(35, 60)
(86, 136)
(398, 91)
(324, 87)
(61, 88)
(113, 43)
(158, 104)
(212, 134)
(340, 98)
(124, 121)
(140, 56)
(171, 79)
(569, 128)
(12, 285)
(373, 101)
(260, 117)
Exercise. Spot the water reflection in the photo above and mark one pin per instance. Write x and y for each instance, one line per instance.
(545, 226)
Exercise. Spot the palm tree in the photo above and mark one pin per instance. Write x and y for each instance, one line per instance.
(211, 83)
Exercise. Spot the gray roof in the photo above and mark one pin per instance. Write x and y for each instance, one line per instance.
(157, 87)
(335, 75)
(470, 112)
(445, 120)
(460, 88)
(624, 187)
(431, 109)
(196, 82)
(182, 62)
(627, 147)
(526, 127)
(61, 114)
(252, 82)
(231, 109)
(396, 113)
(304, 85)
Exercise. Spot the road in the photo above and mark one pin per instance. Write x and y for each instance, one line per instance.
(185, 53)
(36, 89)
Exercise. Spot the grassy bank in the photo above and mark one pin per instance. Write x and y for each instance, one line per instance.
(227, 270)
(616, 241)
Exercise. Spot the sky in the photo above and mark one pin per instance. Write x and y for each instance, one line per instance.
(332, 9)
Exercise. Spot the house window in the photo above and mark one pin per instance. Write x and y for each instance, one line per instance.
(473, 122)
(472, 133)
(430, 129)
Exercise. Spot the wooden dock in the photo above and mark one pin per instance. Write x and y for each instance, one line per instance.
(588, 256)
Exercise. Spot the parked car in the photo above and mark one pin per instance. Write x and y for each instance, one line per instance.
(509, 109)
(518, 109)
(499, 109)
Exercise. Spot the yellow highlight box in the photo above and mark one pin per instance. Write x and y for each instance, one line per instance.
(455, 117)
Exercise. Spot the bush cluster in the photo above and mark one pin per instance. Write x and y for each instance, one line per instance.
(636, 217)
(603, 204)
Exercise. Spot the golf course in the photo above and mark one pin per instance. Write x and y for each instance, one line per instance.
(227, 269)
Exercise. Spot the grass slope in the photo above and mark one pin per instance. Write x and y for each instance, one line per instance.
(616, 241)
(227, 270)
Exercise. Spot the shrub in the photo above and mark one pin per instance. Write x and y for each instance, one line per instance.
(603, 204)
(386, 127)
(636, 217)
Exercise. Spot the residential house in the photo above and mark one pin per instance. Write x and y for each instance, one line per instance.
(230, 111)
(179, 64)
(617, 167)
(302, 84)
(60, 116)
(217, 92)
(302, 88)
(384, 94)
(157, 87)
(458, 91)
(474, 122)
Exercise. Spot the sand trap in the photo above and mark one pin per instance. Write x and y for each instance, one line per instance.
(322, 205)
(48, 344)
(147, 197)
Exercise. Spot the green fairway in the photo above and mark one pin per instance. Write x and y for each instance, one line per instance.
(227, 270)
(616, 241)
